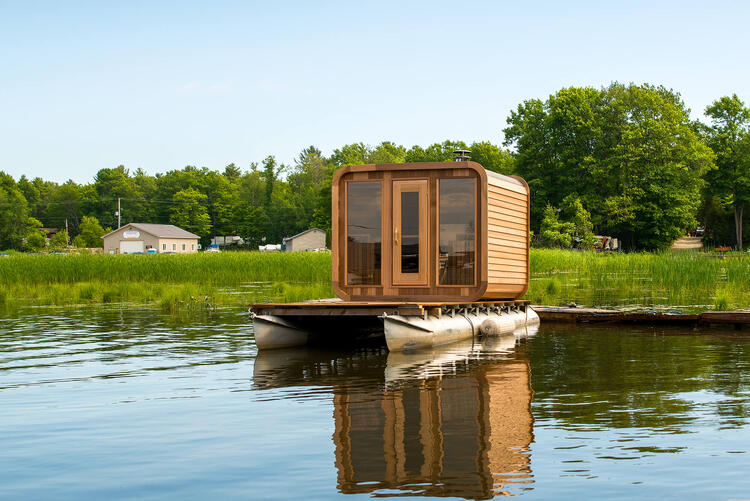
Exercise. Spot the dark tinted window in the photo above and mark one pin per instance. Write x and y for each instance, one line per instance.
(363, 232)
(457, 204)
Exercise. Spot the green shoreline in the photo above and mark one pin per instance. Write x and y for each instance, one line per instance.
(686, 281)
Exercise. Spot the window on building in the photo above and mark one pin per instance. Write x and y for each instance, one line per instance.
(456, 231)
(183, 246)
(363, 232)
(163, 246)
(192, 247)
(174, 247)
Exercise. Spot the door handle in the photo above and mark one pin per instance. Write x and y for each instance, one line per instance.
(395, 240)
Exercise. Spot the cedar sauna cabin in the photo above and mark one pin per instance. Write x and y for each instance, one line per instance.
(444, 232)
(424, 254)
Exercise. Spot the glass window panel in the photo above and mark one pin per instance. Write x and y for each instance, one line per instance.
(363, 232)
(409, 232)
(457, 256)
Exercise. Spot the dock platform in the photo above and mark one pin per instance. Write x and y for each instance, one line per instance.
(597, 315)
(335, 307)
(416, 325)
(405, 325)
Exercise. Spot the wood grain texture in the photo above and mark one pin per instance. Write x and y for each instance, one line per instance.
(508, 237)
(502, 218)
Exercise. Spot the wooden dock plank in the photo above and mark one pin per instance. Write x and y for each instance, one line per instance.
(593, 315)
(327, 308)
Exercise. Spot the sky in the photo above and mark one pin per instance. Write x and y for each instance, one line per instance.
(161, 85)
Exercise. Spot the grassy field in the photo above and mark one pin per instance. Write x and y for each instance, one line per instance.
(684, 281)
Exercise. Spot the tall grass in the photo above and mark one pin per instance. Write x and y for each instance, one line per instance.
(685, 281)
(175, 282)
(688, 281)
(228, 268)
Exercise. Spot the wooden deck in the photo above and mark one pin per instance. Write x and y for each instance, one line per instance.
(338, 308)
(352, 309)
(593, 315)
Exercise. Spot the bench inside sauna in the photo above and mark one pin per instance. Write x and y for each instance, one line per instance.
(447, 240)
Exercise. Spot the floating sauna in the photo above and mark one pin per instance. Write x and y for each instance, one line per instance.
(440, 250)
(446, 231)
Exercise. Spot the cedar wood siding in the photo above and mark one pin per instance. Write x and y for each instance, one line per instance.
(501, 269)
(508, 237)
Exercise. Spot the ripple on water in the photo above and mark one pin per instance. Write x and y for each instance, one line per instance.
(115, 402)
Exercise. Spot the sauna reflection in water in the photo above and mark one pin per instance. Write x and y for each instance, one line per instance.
(454, 421)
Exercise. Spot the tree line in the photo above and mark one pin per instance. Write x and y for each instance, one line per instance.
(624, 160)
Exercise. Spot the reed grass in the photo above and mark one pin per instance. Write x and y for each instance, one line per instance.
(685, 281)
(225, 268)
(175, 282)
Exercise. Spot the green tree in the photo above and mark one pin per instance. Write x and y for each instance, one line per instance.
(174, 181)
(68, 202)
(386, 153)
(631, 153)
(109, 185)
(14, 214)
(729, 138)
(270, 175)
(59, 240)
(35, 239)
(232, 172)
(189, 212)
(554, 233)
(583, 229)
(436, 152)
(492, 157)
(310, 172)
(350, 154)
(90, 233)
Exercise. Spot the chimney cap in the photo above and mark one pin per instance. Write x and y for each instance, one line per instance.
(461, 155)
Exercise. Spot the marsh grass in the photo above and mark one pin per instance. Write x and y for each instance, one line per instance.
(227, 268)
(685, 281)
(171, 282)
(688, 281)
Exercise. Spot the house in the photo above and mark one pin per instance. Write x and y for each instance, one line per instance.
(312, 239)
(144, 237)
(49, 232)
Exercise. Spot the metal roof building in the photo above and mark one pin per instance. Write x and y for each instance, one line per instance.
(311, 239)
(142, 237)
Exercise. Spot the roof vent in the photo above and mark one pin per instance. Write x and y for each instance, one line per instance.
(461, 155)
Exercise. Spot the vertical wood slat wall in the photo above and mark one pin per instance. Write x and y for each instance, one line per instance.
(502, 234)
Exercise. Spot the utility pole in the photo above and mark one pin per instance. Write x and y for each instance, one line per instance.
(118, 213)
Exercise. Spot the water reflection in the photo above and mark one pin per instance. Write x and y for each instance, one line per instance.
(453, 421)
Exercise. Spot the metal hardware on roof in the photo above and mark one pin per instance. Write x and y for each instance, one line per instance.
(461, 155)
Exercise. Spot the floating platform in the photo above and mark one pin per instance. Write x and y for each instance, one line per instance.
(596, 315)
(404, 325)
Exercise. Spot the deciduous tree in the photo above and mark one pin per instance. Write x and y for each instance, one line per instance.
(729, 137)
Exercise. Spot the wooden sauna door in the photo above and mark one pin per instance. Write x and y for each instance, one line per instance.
(410, 232)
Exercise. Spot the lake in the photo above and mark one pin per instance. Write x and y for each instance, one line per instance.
(106, 402)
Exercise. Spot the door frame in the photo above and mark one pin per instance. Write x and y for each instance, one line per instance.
(422, 187)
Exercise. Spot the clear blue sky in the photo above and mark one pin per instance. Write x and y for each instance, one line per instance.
(160, 85)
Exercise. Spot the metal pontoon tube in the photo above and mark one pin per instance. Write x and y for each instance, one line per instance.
(275, 332)
(411, 332)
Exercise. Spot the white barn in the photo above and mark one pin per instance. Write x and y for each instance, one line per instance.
(311, 239)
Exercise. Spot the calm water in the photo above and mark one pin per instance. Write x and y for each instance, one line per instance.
(103, 403)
